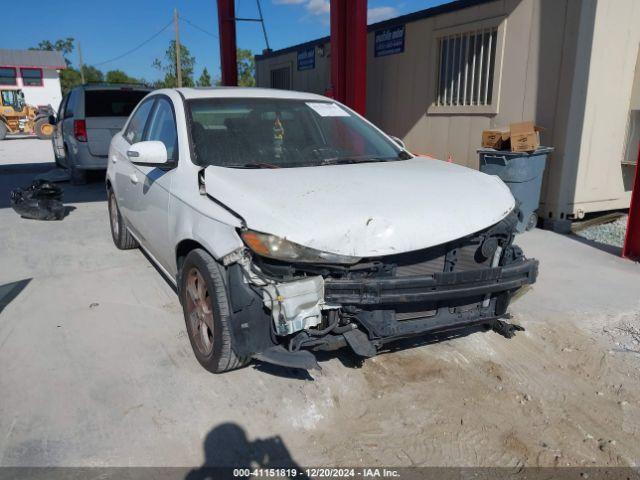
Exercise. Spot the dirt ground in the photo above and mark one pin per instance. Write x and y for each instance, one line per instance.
(97, 369)
(553, 396)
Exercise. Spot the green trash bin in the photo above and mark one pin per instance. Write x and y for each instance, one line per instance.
(522, 173)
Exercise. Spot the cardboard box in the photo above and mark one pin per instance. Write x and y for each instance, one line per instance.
(525, 136)
(495, 138)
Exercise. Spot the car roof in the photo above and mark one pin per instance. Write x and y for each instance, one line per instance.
(245, 92)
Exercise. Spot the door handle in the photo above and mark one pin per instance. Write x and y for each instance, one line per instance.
(114, 159)
(133, 178)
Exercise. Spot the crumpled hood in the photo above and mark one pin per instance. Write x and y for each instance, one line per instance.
(367, 209)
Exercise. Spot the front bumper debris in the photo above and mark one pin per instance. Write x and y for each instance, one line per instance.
(322, 307)
(431, 288)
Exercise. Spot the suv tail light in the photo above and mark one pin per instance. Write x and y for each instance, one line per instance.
(80, 130)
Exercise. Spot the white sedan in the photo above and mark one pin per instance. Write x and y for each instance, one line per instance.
(290, 224)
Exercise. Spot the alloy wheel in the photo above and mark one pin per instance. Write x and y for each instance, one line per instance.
(199, 312)
(113, 214)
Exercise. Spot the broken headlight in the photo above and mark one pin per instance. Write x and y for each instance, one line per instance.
(271, 246)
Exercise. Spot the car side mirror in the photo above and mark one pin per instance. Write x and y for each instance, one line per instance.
(399, 142)
(52, 119)
(151, 153)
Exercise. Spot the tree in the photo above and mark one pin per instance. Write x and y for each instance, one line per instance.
(205, 78)
(92, 74)
(64, 46)
(70, 77)
(168, 66)
(246, 68)
(118, 76)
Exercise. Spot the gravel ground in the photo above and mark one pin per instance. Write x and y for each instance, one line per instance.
(611, 233)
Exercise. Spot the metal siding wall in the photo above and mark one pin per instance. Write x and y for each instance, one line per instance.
(611, 72)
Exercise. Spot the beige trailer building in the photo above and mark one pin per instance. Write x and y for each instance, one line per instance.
(437, 78)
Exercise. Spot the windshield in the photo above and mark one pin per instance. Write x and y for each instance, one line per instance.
(275, 133)
(13, 98)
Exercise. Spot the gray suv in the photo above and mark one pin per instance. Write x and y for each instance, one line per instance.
(88, 117)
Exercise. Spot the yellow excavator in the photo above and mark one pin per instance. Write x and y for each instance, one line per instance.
(16, 117)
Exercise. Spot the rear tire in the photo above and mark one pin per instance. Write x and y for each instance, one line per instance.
(57, 158)
(532, 222)
(205, 305)
(44, 130)
(119, 233)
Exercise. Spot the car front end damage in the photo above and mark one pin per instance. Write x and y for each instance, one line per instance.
(285, 310)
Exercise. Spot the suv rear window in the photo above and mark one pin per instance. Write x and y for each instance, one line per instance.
(111, 103)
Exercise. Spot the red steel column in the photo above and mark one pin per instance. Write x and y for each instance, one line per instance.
(349, 53)
(227, 30)
(356, 61)
(338, 49)
(631, 247)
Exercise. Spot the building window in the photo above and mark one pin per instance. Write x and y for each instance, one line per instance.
(467, 64)
(281, 78)
(8, 76)
(31, 77)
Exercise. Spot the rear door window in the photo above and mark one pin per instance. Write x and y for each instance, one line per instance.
(111, 103)
(135, 128)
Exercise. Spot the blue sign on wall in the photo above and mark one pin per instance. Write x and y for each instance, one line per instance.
(307, 59)
(389, 41)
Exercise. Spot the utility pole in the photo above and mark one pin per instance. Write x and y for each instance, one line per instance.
(178, 64)
(264, 29)
(80, 62)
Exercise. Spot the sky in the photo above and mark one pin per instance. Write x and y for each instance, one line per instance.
(109, 29)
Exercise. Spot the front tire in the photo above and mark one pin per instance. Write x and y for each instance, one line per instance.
(119, 233)
(3, 131)
(205, 305)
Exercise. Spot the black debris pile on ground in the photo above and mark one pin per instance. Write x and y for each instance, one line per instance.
(42, 200)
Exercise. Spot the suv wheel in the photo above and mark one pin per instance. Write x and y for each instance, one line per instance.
(206, 312)
(121, 236)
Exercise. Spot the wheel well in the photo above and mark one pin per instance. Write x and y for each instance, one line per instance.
(183, 249)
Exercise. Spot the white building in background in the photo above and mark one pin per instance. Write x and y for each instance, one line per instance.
(36, 72)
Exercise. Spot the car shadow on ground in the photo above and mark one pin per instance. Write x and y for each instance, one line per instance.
(226, 447)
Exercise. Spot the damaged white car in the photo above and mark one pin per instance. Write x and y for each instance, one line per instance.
(290, 224)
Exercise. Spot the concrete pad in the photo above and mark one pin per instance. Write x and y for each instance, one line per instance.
(96, 368)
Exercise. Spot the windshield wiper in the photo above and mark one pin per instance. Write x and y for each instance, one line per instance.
(255, 165)
(345, 160)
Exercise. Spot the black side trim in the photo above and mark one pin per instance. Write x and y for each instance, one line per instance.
(251, 323)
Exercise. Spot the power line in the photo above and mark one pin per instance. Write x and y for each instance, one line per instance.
(189, 22)
(138, 46)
